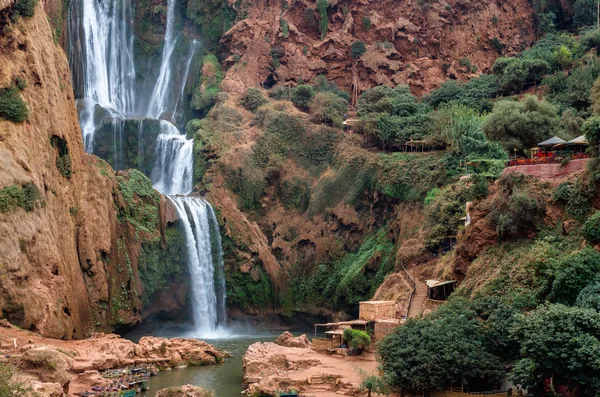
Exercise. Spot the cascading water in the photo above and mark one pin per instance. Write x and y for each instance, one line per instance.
(101, 37)
(198, 219)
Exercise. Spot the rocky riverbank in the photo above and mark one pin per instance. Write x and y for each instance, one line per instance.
(292, 363)
(54, 368)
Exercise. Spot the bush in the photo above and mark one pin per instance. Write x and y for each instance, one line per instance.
(328, 108)
(253, 99)
(358, 49)
(26, 196)
(321, 84)
(591, 40)
(63, 160)
(24, 8)
(322, 6)
(302, 95)
(521, 125)
(589, 297)
(356, 338)
(12, 106)
(280, 93)
(591, 228)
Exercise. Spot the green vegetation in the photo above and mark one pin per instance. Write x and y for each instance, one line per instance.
(63, 159)
(12, 106)
(206, 90)
(141, 209)
(303, 95)
(585, 12)
(23, 8)
(591, 228)
(440, 350)
(357, 339)
(328, 108)
(322, 6)
(26, 196)
(521, 125)
(347, 280)
(159, 267)
(10, 387)
(213, 18)
(358, 49)
(253, 99)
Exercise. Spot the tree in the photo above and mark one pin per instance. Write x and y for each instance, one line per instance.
(585, 13)
(573, 273)
(328, 108)
(558, 340)
(513, 74)
(589, 297)
(438, 351)
(591, 130)
(358, 49)
(302, 95)
(521, 125)
(595, 97)
(375, 384)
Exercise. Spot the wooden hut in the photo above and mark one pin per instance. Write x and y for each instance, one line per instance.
(440, 290)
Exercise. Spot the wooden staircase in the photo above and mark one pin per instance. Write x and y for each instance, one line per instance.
(415, 308)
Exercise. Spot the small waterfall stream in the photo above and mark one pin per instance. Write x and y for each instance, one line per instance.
(101, 50)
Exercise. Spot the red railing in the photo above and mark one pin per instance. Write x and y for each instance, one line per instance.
(544, 160)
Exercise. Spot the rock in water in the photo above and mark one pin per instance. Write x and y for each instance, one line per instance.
(185, 391)
(288, 340)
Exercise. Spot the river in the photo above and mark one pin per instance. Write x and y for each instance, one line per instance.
(225, 379)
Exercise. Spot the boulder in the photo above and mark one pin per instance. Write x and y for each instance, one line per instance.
(288, 340)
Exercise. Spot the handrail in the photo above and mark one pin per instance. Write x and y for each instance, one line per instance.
(412, 282)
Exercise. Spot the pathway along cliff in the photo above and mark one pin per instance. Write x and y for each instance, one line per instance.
(104, 70)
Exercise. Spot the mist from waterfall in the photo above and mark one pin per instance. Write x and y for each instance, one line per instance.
(101, 52)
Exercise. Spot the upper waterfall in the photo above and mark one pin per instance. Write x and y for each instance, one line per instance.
(110, 97)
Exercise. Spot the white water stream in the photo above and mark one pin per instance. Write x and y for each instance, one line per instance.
(101, 31)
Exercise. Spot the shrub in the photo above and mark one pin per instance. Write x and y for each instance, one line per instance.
(356, 338)
(280, 93)
(521, 125)
(321, 84)
(358, 49)
(12, 106)
(328, 108)
(63, 159)
(302, 95)
(497, 45)
(591, 40)
(576, 196)
(24, 8)
(26, 196)
(366, 24)
(591, 228)
(8, 386)
(253, 99)
(514, 74)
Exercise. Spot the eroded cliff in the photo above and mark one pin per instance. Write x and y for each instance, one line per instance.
(71, 230)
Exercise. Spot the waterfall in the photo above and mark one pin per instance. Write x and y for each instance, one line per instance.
(198, 218)
(159, 98)
(173, 170)
(101, 52)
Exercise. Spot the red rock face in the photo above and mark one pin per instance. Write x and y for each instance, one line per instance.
(407, 42)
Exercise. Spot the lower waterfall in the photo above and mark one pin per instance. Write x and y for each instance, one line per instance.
(205, 260)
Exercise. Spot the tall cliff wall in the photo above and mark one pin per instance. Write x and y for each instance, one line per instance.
(71, 230)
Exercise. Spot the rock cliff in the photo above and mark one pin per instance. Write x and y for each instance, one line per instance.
(70, 229)
(420, 43)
